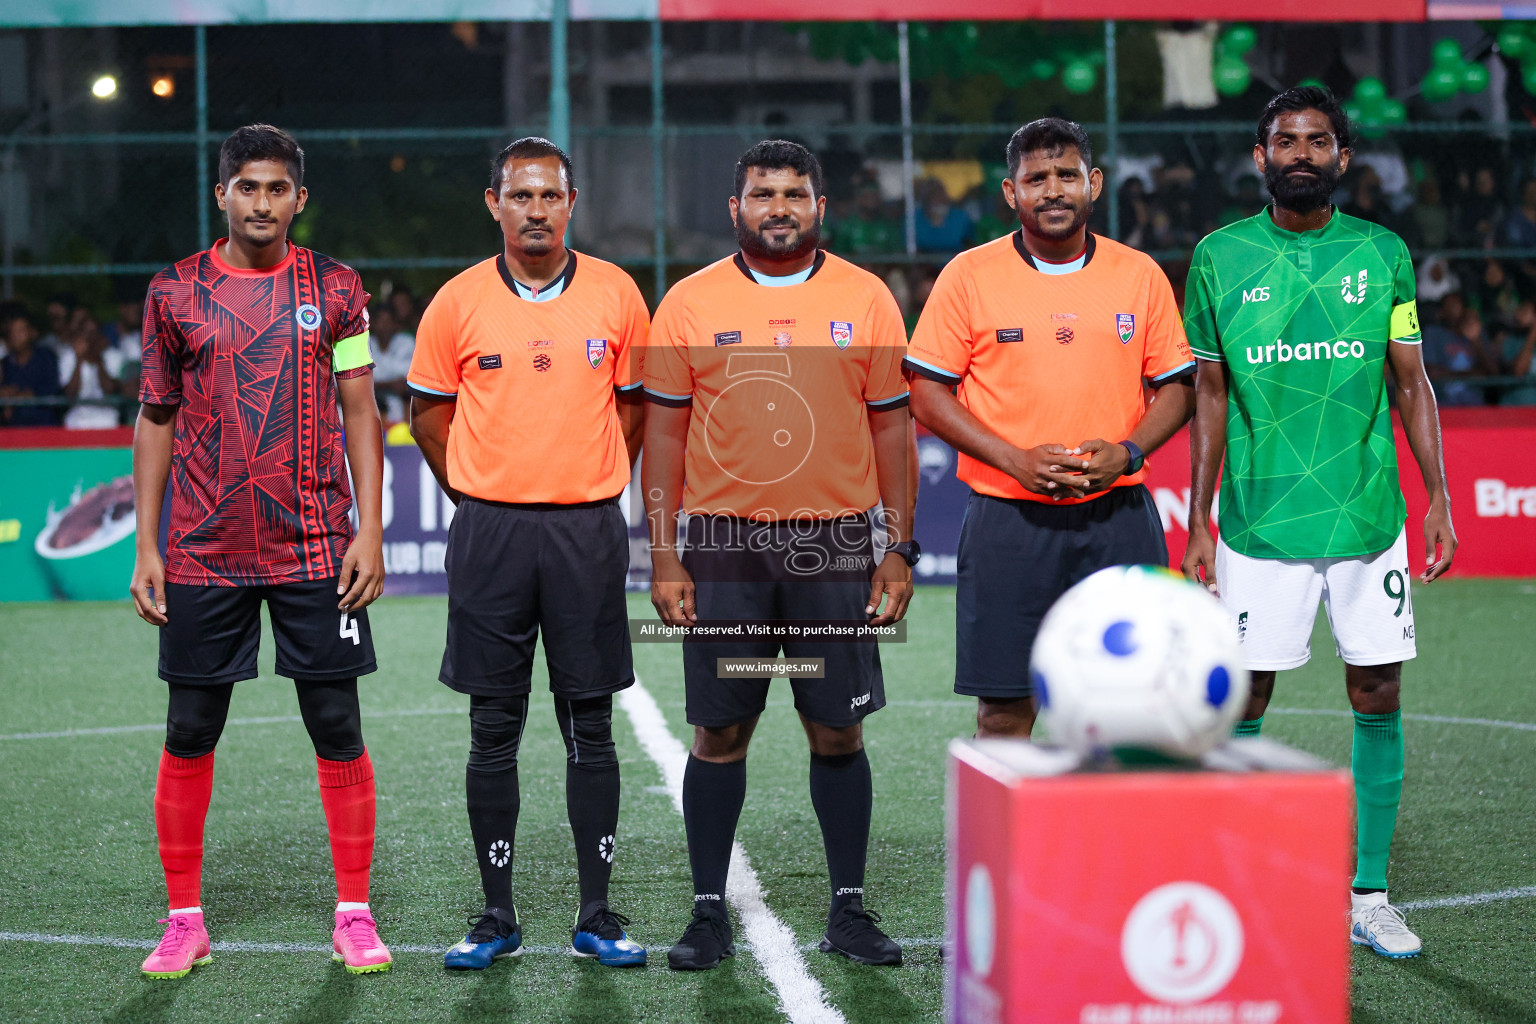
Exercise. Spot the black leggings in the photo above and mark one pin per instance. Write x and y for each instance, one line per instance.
(195, 720)
(496, 731)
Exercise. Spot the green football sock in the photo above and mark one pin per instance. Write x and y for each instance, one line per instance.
(1377, 764)
(1249, 726)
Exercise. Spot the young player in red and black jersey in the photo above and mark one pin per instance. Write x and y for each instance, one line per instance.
(248, 348)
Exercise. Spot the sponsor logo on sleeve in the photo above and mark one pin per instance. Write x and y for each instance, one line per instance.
(596, 349)
(1010, 334)
(490, 362)
(842, 333)
(728, 338)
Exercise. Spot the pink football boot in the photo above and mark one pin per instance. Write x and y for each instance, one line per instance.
(184, 946)
(357, 943)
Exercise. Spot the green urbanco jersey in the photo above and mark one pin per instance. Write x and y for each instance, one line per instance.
(1303, 321)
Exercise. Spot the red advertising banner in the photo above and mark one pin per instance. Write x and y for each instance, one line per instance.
(1039, 10)
(1490, 463)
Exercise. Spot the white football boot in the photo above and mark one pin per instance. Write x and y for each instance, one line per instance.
(1376, 923)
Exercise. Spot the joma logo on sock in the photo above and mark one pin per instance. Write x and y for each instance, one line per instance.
(706, 896)
(850, 892)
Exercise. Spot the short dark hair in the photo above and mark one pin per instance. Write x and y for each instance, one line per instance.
(776, 155)
(260, 142)
(1306, 97)
(1050, 135)
(529, 147)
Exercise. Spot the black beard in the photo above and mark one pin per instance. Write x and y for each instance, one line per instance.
(756, 245)
(1299, 194)
(1030, 220)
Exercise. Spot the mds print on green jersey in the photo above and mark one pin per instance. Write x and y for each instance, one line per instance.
(1303, 321)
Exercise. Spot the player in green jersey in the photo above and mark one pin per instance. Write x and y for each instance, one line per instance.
(1294, 315)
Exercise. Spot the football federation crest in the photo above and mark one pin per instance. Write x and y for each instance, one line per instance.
(596, 349)
(308, 316)
(842, 333)
(1125, 326)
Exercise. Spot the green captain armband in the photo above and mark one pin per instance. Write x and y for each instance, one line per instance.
(1405, 321)
(350, 353)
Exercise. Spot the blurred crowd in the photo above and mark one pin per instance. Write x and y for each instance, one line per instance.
(1477, 299)
(68, 368)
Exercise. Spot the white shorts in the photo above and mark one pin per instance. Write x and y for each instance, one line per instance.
(1275, 602)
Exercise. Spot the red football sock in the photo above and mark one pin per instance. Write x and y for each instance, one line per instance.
(182, 790)
(346, 792)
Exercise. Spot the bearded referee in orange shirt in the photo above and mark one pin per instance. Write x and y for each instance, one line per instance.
(1032, 359)
(526, 404)
(779, 419)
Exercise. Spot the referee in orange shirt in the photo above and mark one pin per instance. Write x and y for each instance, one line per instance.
(779, 419)
(525, 401)
(1031, 359)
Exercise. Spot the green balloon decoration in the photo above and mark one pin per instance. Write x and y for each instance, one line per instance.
(1513, 42)
(1238, 40)
(1079, 77)
(1231, 75)
(1474, 77)
(1370, 91)
(1355, 112)
(1528, 76)
(1446, 55)
(1440, 84)
(1393, 112)
(1043, 69)
(1315, 83)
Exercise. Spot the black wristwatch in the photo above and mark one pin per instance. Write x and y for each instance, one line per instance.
(909, 550)
(1138, 457)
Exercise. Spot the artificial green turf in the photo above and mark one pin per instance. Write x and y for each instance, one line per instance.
(78, 850)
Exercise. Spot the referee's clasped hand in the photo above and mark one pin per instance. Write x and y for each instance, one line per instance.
(1050, 469)
(1107, 463)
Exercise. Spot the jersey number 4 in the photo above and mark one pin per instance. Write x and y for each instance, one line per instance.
(349, 629)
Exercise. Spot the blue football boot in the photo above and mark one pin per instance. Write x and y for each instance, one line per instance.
(602, 935)
(493, 935)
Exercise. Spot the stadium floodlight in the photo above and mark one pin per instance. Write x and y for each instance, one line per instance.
(163, 86)
(105, 87)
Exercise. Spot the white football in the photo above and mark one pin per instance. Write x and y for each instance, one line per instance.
(1136, 657)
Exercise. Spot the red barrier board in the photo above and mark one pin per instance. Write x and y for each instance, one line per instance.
(1490, 462)
(1174, 897)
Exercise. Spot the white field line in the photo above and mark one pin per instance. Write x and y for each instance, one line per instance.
(773, 944)
(1472, 899)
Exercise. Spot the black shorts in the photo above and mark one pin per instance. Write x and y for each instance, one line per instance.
(213, 633)
(516, 571)
(1018, 557)
(802, 571)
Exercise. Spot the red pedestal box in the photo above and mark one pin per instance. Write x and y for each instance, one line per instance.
(1217, 896)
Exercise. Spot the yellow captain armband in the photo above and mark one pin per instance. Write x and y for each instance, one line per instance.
(1405, 321)
(350, 353)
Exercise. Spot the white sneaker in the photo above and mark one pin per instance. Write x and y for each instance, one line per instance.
(1376, 923)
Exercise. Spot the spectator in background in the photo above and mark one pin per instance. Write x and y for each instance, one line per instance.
(1431, 223)
(1519, 346)
(59, 309)
(1135, 213)
(392, 350)
(999, 218)
(922, 277)
(1367, 202)
(941, 225)
(1481, 213)
(1455, 348)
(1436, 280)
(28, 371)
(1246, 199)
(866, 228)
(9, 311)
(126, 333)
(89, 371)
(1493, 291)
(1520, 225)
(403, 302)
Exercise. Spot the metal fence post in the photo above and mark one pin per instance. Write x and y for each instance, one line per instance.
(559, 75)
(658, 161)
(908, 168)
(200, 44)
(1112, 128)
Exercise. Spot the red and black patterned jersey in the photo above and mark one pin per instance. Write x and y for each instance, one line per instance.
(259, 490)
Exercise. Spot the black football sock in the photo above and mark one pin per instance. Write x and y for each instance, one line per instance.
(843, 795)
(493, 799)
(712, 797)
(592, 803)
